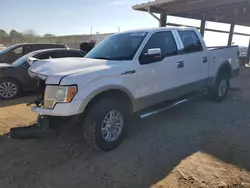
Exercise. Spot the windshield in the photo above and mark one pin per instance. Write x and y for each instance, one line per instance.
(22, 60)
(118, 47)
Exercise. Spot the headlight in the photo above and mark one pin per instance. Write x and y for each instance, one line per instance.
(58, 94)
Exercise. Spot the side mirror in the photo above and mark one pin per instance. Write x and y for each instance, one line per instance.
(154, 51)
(151, 56)
(31, 60)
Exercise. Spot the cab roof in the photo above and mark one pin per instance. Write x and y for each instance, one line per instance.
(150, 30)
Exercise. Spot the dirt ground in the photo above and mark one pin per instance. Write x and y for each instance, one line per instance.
(199, 144)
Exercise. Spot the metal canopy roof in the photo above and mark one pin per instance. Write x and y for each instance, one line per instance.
(226, 11)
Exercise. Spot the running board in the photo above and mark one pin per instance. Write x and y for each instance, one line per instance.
(170, 104)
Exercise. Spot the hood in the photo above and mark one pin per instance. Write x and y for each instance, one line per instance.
(61, 67)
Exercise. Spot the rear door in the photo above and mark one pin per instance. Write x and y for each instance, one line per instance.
(195, 60)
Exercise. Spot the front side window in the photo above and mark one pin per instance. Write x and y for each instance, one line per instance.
(163, 40)
(18, 51)
(118, 47)
(190, 41)
(46, 55)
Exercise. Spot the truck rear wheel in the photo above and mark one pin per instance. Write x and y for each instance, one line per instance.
(104, 124)
(221, 86)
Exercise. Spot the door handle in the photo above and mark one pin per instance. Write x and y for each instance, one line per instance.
(180, 64)
(204, 60)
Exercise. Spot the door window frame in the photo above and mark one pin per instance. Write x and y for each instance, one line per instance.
(181, 51)
(141, 49)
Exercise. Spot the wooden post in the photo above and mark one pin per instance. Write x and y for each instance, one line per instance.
(248, 53)
(231, 33)
(163, 20)
(202, 29)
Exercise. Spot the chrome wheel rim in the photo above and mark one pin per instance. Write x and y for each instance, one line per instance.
(222, 88)
(112, 126)
(8, 90)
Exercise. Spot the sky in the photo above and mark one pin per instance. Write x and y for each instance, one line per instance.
(67, 17)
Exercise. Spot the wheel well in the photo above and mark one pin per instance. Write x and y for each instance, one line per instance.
(225, 68)
(113, 93)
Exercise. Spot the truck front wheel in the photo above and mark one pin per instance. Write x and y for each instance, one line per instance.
(104, 124)
(220, 88)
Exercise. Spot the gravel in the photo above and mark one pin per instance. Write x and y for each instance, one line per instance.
(198, 144)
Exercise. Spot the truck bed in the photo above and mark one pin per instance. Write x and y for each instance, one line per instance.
(221, 54)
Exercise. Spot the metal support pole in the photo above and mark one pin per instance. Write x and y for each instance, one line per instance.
(163, 20)
(231, 33)
(203, 27)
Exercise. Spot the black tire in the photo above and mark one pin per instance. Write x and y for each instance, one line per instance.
(17, 86)
(214, 92)
(93, 124)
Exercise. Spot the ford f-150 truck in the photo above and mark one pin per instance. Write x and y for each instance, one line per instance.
(130, 72)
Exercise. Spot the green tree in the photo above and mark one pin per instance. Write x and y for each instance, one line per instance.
(14, 34)
(3, 33)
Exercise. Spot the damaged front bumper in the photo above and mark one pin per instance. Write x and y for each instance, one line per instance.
(60, 109)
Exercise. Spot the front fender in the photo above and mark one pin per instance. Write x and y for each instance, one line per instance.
(88, 92)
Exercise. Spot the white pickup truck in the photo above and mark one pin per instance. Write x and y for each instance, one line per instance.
(129, 72)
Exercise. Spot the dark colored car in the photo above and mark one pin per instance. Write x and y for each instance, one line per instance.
(15, 79)
(14, 52)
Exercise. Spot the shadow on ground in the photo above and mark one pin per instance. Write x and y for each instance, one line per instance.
(25, 98)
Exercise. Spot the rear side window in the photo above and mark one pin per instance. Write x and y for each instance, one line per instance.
(54, 46)
(190, 41)
(35, 47)
(32, 47)
(163, 40)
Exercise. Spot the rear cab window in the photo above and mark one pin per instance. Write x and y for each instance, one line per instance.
(191, 41)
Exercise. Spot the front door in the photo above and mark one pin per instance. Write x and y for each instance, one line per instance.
(159, 81)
